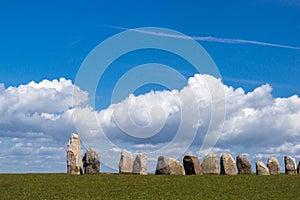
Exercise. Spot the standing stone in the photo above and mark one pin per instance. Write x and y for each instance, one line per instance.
(273, 166)
(298, 168)
(91, 162)
(243, 165)
(210, 164)
(261, 168)
(227, 165)
(290, 165)
(162, 166)
(74, 162)
(126, 162)
(175, 167)
(140, 164)
(192, 165)
(168, 166)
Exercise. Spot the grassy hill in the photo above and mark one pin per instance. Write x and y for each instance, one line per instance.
(116, 186)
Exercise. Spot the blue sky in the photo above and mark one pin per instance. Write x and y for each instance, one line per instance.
(46, 40)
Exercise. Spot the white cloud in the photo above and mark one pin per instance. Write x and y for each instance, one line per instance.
(35, 117)
(36, 120)
(215, 39)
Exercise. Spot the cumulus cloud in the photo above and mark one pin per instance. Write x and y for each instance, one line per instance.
(36, 120)
(38, 108)
(35, 117)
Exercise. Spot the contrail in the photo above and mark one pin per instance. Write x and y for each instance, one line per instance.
(209, 38)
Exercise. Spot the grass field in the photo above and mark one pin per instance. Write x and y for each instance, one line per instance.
(115, 186)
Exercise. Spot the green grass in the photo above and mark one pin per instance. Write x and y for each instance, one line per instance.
(115, 186)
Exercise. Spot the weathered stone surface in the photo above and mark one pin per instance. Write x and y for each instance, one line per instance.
(290, 165)
(243, 165)
(126, 162)
(175, 167)
(162, 166)
(140, 164)
(261, 168)
(192, 165)
(298, 168)
(227, 164)
(273, 166)
(74, 162)
(91, 162)
(210, 164)
(168, 166)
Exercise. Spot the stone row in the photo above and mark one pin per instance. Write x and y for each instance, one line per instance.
(192, 166)
(129, 163)
(272, 167)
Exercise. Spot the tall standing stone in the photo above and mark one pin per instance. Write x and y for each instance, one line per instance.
(261, 168)
(227, 165)
(210, 164)
(192, 165)
(126, 162)
(74, 162)
(290, 165)
(168, 166)
(273, 166)
(140, 164)
(243, 165)
(298, 168)
(91, 162)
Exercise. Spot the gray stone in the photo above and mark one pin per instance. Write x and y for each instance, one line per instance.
(273, 166)
(168, 166)
(243, 164)
(298, 168)
(126, 162)
(162, 166)
(210, 164)
(91, 162)
(74, 162)
(290, 165)
(192, 165)
(140, 164)
(227, 164)
(261, 168)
